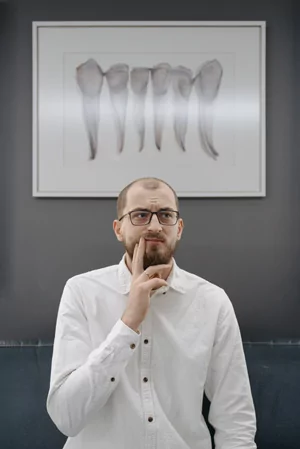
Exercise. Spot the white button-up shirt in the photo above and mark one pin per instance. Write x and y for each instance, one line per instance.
(113, 388)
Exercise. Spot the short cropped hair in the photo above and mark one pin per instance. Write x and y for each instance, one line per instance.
(147, 183)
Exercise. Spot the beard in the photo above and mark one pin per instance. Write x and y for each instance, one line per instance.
(158, 254)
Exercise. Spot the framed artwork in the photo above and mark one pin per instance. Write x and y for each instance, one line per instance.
(181, 101)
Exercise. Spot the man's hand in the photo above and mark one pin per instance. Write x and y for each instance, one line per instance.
(144, 282)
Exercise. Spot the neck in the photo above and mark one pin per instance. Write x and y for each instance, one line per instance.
(128, 262)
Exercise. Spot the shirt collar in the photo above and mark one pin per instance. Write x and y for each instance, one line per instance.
(175, 278)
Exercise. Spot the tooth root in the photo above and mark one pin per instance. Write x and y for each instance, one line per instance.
(139, 78)
(119, 102)
(91, 118)
(208, 127)
(159, 118)
(205, 122)
(207, 84)
(180, 122)
(117, 79)
(89, 77)
(182, 87)
(161, 77)
(180, 127)
(140, 124)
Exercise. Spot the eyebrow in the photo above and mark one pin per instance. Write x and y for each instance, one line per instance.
(148, 210)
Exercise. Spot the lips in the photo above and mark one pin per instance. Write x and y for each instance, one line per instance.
(154, 240)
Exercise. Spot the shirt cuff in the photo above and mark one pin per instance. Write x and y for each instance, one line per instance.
(118, 347)
(125, 332)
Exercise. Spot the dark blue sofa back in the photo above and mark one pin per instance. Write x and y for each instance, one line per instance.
(274, 370)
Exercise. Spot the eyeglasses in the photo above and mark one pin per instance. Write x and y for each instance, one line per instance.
(143, 217)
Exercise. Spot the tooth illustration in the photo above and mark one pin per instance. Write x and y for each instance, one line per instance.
(117, 79)
(207, 83)
(89, 77)
(182, 86)
(161, 77)
(139, 78)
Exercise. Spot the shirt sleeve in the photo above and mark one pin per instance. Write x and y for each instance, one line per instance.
(83, 379)
(232, 412)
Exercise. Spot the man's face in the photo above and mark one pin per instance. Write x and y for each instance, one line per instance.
(161, 240)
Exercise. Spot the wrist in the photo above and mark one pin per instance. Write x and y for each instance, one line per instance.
(130, 322)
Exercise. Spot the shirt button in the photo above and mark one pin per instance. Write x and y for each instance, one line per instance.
(112, 379)
(146, 341)
(150, 419)
(145, 379)
(164, 293)
(132, 346)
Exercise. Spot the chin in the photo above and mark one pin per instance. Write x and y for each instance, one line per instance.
(156, 258)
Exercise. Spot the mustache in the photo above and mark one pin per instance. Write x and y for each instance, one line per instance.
(154, 236)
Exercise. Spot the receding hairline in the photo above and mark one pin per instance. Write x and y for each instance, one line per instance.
(148, 183)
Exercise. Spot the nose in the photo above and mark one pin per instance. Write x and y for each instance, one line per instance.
(154, 224)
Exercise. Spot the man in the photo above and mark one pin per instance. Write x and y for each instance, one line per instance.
(137, 344)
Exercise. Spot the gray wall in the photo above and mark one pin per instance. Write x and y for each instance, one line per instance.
(248, 246)
(4, 142)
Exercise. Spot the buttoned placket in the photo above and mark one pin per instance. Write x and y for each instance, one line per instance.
(146, 383)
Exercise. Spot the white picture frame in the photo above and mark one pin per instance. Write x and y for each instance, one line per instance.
(197, 120)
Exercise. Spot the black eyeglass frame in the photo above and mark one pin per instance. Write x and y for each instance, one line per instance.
(151, 215)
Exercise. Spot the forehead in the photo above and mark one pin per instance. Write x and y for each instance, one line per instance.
(139, 196)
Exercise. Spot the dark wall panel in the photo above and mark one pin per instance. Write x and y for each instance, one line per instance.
(250, 247)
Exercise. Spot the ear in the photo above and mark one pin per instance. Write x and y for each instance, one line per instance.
(180, 228)
(117, 227)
